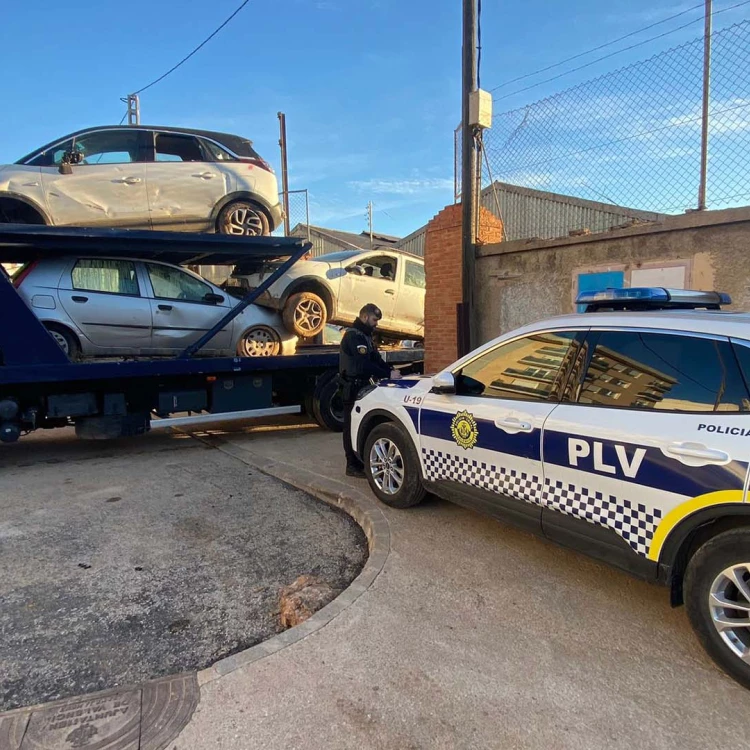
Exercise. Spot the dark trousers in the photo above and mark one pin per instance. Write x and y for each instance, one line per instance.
(351, 458)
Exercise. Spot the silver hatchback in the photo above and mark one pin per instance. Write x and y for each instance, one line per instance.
(125, 307)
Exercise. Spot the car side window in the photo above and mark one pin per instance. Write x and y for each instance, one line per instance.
(110, 276)
(663, 372)
(414, 275)
(216, 151)
(174, 147)
(742, 351)
(104, 147)
(172, 283)
(381, 267)
(532, 368)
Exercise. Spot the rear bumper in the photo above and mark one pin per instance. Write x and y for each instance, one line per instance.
(266, 300)
(277, 215)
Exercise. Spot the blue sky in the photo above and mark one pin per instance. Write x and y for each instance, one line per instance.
(371, 88)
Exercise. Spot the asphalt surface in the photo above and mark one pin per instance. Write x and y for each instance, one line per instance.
(129, 560)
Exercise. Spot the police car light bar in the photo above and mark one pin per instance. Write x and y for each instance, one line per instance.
(651, 298)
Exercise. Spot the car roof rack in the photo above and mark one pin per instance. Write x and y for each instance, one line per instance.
(646, 299)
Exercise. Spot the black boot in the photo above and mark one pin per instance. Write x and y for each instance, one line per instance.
(358, 472)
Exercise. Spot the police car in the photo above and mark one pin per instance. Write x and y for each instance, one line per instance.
(624, 434)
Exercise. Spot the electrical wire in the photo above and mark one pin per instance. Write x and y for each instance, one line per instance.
(617, 52)
(202, 44)
(596, 49)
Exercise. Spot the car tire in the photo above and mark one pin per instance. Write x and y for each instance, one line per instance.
(328, 404)
(305, 314)
(259, 341)
(66, 340)
(705, 579)
(243, 219)
(399, 485)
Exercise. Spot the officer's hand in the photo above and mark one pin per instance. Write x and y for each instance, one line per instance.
(395, 375)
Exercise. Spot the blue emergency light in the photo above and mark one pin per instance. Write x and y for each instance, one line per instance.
(651, 298)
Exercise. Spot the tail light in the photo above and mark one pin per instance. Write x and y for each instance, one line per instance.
(257, 162)
(19, 276)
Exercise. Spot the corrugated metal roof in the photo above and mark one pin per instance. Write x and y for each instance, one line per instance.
(527, 213)
(331, 240)
(530, 213)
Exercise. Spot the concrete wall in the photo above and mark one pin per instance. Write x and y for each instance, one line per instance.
(522, 281)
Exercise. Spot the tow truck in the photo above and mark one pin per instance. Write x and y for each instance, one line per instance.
(41, 388)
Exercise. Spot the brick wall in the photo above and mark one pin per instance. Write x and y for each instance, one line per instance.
(444, 270)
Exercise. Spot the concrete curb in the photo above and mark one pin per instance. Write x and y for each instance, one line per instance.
(362, 510)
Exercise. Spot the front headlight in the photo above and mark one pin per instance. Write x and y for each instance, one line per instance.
(364, 391)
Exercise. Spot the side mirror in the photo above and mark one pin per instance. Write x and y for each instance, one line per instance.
(444, 382)
(356, 270)
(213, 299)
(68, 159)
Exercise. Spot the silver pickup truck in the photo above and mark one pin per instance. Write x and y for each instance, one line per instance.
(333, 288)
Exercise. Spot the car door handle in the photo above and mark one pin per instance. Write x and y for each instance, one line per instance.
(77, 298)
(512, 425)
(166, 308)
(695, 454)
(390, 291)
(205, 175)
(129, 180)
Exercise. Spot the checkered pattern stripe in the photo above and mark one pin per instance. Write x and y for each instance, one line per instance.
(518, 484)
(632, 521)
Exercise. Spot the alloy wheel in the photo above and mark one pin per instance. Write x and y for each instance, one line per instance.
(244, 221)
(387, 466)
(729, 604)
(308, 315)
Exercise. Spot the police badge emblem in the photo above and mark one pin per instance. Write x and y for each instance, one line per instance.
(464, 430)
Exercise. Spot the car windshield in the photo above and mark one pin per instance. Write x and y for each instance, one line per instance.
(339, 257)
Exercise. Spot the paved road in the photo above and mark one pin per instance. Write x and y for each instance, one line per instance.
(475, 635)
(130, 560)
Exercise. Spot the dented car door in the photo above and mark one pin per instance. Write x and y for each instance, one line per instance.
(184, 186)
(105, 184)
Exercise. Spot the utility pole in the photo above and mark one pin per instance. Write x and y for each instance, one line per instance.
(466, 319)
(369, 220)
(284, 173)
(706, 104)
(134, 109)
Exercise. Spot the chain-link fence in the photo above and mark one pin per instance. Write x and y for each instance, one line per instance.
(299, 213)
(632, 138)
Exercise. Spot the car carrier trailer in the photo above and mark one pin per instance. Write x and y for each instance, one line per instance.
(40, 387)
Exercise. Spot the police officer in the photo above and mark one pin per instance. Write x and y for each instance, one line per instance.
(359, 362)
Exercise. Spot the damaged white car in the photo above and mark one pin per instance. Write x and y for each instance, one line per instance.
(333, 288)
(144, 178)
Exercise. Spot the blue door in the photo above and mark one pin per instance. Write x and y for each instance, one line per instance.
(597, 282)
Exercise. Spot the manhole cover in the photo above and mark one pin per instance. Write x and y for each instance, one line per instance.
(146, 718)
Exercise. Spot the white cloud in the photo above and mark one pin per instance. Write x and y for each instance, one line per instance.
(727, 116)
(402, 187)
